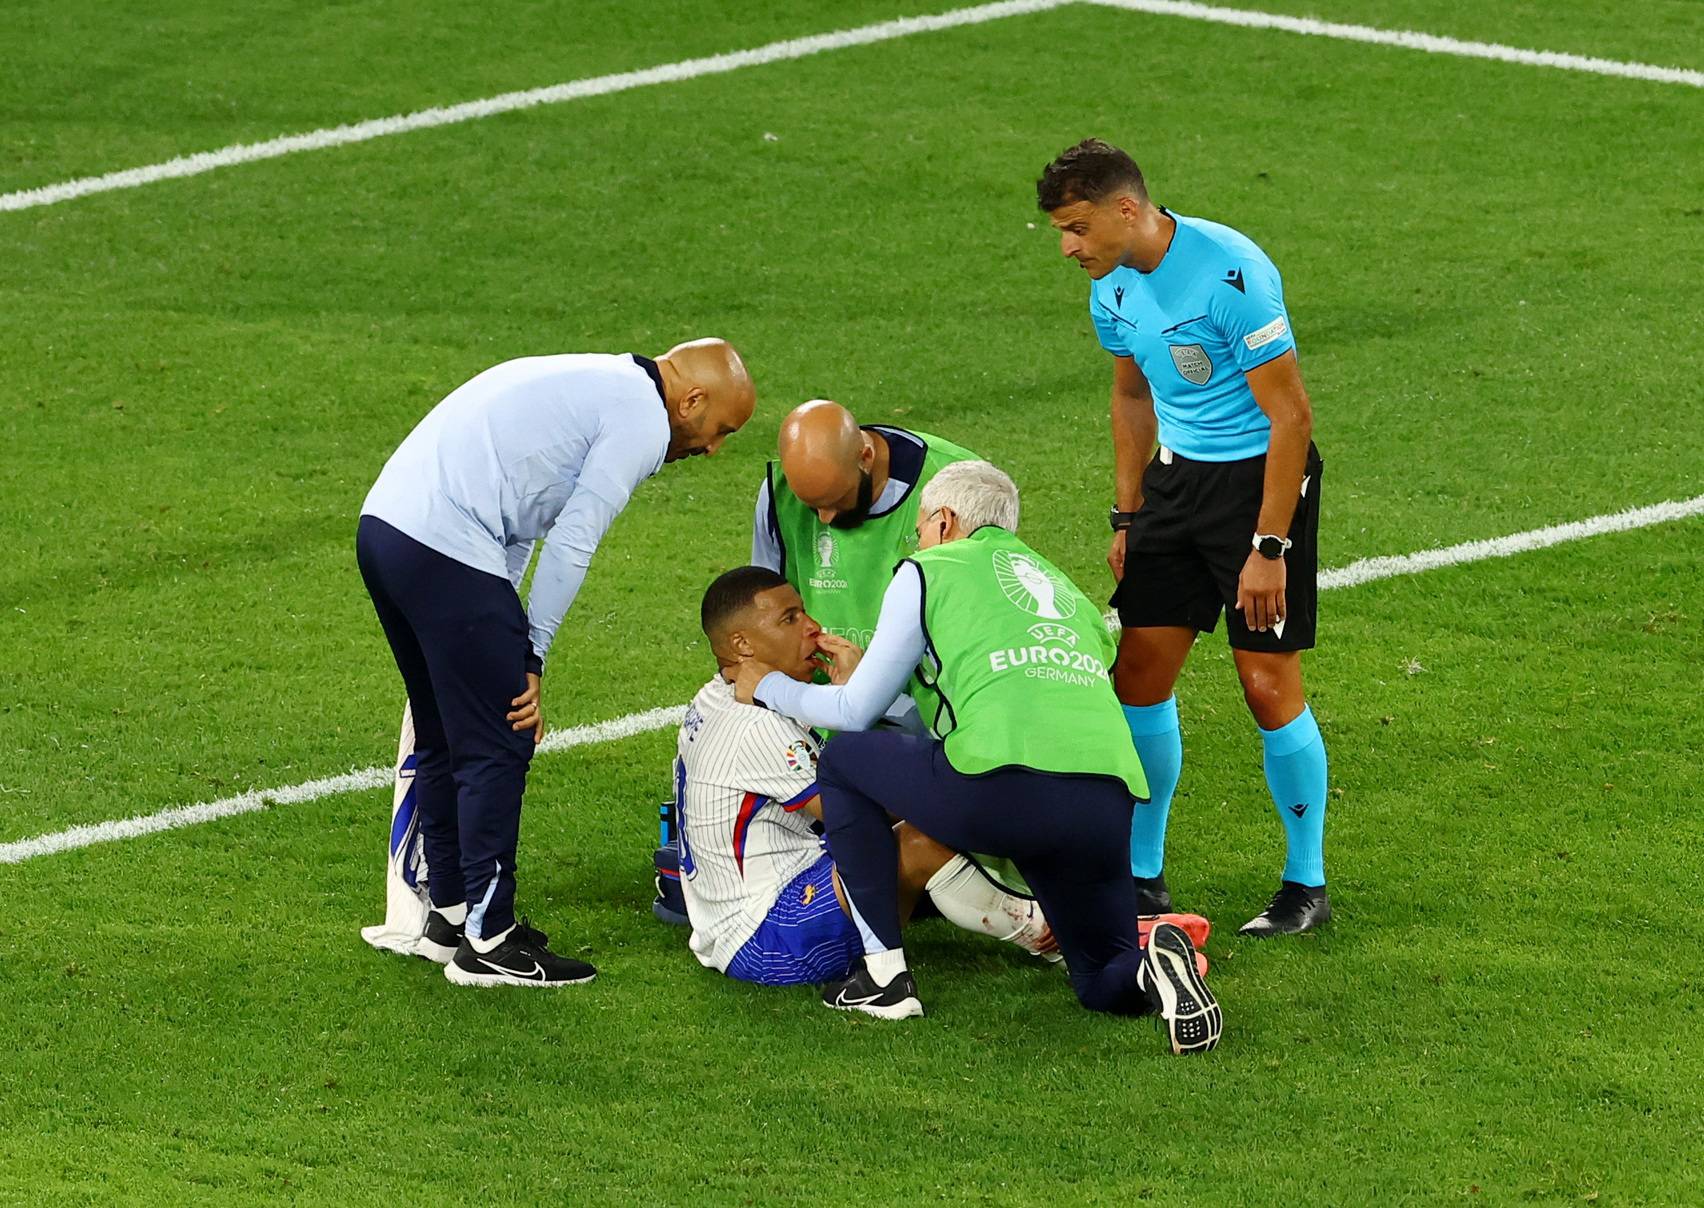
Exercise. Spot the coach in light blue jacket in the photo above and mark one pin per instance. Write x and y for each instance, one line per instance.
(543, 448)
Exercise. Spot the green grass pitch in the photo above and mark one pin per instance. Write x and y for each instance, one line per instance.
(1492, 271)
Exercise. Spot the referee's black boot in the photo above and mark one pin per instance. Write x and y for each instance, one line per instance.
(1152, 896)
(522, 959)
(1294, 908)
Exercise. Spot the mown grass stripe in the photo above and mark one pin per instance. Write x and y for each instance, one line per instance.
(798, 48)
(508, 102)
(1366, 570)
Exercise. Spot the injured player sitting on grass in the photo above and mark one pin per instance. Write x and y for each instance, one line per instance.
(760, 887)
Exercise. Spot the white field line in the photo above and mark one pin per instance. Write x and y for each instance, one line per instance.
(312, 790)
(467, 111)
(1366, 570)
(1391, 565)
(1409, 40)
(798, 48)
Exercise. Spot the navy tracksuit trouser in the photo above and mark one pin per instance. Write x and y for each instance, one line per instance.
(459, 636)
(1068, 835)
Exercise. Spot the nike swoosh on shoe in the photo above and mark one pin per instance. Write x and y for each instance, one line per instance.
(535, 974)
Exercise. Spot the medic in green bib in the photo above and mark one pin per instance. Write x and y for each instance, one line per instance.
(1028, 758)
(832, 514)
(835, 514)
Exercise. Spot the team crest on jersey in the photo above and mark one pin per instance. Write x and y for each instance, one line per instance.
(1032, 587)
(800, 757)
(825, 550)
(1193, 363)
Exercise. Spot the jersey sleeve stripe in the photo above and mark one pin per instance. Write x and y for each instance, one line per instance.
(742, 824)
(798, 799)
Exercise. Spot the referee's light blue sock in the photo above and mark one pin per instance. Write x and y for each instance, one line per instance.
(1159, 744)
(1295, 773)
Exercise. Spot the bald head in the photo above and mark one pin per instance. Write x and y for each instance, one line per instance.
(828, 460)
(708, 393)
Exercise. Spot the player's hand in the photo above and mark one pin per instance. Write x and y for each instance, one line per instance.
(1115, 554)
(1260, 591)
(843, 657)
(747, 677)
(528, 714)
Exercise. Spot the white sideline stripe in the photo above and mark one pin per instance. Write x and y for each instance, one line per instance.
(295, 794)
(1366, 570)
(467, 111)
(798, 48)
(1390, 565)
(1410, 40)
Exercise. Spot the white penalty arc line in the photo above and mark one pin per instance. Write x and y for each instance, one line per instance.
(798, 48)
(1367, 570)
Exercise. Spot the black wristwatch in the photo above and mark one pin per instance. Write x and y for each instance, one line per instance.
(1121, 520)
(1270, 547)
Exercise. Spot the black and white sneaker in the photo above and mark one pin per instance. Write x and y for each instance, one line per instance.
(440, 939)
(1294, 908)
(522, 959)
(859, 992)
(1191, 1013)
(1152, 896)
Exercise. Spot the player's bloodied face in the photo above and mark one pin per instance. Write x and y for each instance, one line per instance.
(781, 633)
(1095, 235)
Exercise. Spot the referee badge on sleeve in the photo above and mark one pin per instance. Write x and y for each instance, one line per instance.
(1193, 364)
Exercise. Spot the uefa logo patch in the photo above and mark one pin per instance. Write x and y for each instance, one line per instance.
(825, 550)
(800, 757)
(1032, 587)
(1193, 364)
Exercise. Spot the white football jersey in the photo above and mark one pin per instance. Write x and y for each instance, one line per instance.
(742, 774)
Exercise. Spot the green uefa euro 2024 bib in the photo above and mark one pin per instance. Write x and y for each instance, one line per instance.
(842, 574)
(1016, 674)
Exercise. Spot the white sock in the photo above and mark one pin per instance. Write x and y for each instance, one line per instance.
(965, 897)
(454, 915)
(486, 945)
(885, 966)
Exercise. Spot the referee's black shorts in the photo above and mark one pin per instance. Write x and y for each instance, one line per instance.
(1187, 546)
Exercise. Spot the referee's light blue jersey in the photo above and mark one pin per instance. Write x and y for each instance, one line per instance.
(1212, 310)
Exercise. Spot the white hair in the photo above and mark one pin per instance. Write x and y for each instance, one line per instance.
(979, 492)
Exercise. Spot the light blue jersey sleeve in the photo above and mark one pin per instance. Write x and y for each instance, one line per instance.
(616, 463)
(1106, 326)
(879, 679)
(1253, 320)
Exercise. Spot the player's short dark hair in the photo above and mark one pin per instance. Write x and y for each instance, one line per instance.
(733, 592)
(1093, 170)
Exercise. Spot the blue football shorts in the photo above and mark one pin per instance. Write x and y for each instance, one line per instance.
(806, 937)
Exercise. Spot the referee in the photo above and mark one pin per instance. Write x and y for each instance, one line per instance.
(1225, 516)
(538, 450)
